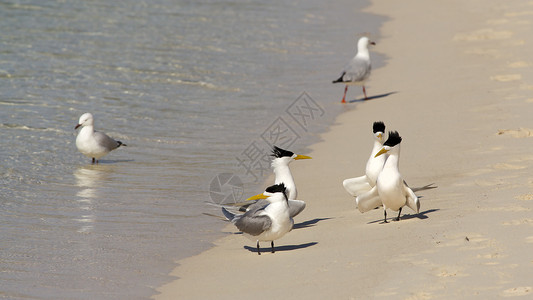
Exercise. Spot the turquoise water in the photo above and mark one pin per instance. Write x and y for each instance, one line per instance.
(198, 90)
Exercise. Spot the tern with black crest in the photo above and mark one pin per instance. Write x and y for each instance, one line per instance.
(267, 223)
(282, 172)
(362, 184)
(391, 190)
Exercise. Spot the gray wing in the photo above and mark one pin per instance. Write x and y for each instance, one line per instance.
(253, 224)
(229, 215)
(105, 141)
(257, 205)
(357, 70)
(296, 207)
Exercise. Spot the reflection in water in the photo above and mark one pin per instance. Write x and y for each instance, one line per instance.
(88, 178)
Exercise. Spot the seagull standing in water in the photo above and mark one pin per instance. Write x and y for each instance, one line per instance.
(390, 190)
(357, 71)
(362, 184)
(93, 144)
(266, 223)
(282, 172)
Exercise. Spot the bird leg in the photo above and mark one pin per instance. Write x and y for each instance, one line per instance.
(385, 213)
(364, 92)
(258, 250)
(344, 97)
(398, 218)
(272, 244)
(94, 160)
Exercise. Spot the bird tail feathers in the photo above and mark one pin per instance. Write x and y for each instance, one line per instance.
(230, 216)
(340, 78)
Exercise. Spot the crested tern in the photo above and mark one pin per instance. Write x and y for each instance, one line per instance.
(93, 144)
(391, 190)
(267, 223)
(362, 184)
(280, 166)
(357, 70)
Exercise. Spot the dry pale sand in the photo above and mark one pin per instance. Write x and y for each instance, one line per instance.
(462, 73)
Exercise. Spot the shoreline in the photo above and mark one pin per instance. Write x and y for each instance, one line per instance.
(459, 96)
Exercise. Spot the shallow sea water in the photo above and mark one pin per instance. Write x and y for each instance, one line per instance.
(198, 90)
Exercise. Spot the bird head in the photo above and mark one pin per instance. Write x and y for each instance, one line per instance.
(364, 42)
(286, 156)
(379, 130)
(85, 120)
(272, 193)
(393, 140)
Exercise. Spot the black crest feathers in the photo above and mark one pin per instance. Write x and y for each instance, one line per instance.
(379, 127)
(278, 152)
(277, 188)
(393, 140)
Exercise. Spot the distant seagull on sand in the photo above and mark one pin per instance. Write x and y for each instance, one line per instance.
(266, 223)
(362, 184)
(390, 190)
(93, 144)
(357, 71)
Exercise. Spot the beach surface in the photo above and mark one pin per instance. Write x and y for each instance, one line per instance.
(457, 86)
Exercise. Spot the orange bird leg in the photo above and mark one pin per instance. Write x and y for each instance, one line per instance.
(344, 97)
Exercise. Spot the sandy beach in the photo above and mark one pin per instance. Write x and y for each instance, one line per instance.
(457, 85)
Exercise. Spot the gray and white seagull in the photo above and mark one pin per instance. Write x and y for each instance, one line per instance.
(93, 144)
(357, 70)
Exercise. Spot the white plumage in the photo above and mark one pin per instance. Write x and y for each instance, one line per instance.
(91, 143)
(357, 70)
(362, 184)
(282, 172)
(265, 223)
(391, 190)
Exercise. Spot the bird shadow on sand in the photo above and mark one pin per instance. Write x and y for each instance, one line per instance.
(421, 215)
(372, 97)
(424, 188)
(309, 223)
(281, 248)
